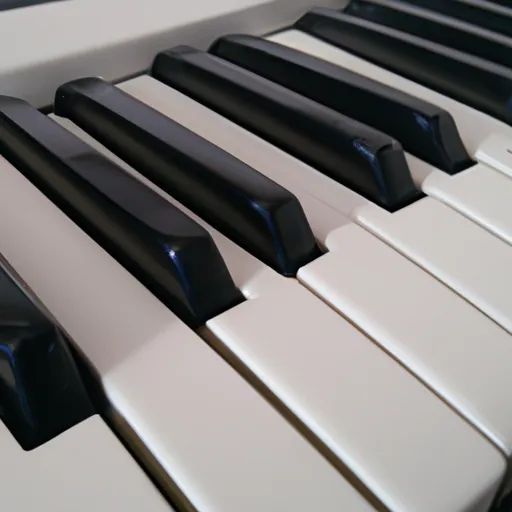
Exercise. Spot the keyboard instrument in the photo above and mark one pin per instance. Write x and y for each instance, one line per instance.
(256, 255)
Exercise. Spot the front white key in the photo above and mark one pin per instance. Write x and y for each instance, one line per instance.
(480, 193)
(469, 260)
(453, 348)
(445, 319)
(473, 126)
(317, 365)
(85, 468)
(190, 413)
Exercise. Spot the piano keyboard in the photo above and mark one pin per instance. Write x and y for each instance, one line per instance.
(262, 263)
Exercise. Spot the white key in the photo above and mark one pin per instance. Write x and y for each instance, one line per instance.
(496, 151)
(468, 259)
(85, 468)
(222, 444)
(474, 126)
(460, 353)
(282, 335)
(480, 193)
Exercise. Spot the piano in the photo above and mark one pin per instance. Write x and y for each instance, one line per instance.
(256, 255)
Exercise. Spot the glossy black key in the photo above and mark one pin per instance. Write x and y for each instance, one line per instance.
(436, 27)
(364, 159)
(478, 83)
(423, 129)
(166, 250)
(41, 392)
(482, 13)
(249, 208)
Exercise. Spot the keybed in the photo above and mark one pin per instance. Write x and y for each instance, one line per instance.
(285, 259)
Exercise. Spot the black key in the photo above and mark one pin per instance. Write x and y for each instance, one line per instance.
(435, 27)
(504, 3)
(478, 12)
(368, 161)
(480, 84)
(249, 208)
(423, 129)
(41, 392)
(166, 250)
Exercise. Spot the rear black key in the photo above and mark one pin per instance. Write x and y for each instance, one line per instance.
(248, 207)
(478, 83)
(504, 3)
(423, 129)
(435, 27)
(166, 250)
(370, 162)
(478, 12)
(41, 392)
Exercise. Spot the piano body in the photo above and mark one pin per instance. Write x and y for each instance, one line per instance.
(256, 255)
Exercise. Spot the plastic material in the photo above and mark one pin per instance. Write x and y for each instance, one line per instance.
(479, 12)
(86, 468)
(172, 255)
(423, 129)
(41, 392)
(255, 212)
(436, 28)
(481, 84)
(49, 44)
(353, 154)
(473, 126)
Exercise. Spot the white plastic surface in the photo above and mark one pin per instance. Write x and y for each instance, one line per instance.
(496, 152)
(221, 443)
(474, 126)
(460, 353)
(482, 194)
(467, 258)
(85, 468)
(317, 364)
(46, 45)
(405, 444)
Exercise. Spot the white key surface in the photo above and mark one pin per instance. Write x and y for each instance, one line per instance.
(451, 346)
(496, 152)
(85, 468)
(480, 193)
(474, 126)
(468, 259)
(313, 360)
(49, 44)
(224, 446)
(395, 435)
